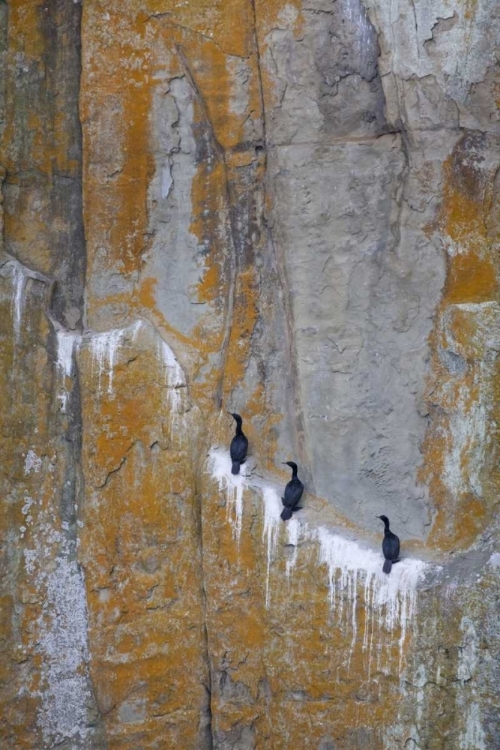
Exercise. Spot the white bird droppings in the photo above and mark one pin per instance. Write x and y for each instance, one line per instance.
(356, 583)
(232, 486)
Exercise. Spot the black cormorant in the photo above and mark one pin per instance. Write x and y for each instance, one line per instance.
(293, 493)
(390, 546)
(239, 445)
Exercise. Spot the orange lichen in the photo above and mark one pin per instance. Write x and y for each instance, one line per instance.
(118, 209)
(141, 498)
(139, 550)
(199, 53)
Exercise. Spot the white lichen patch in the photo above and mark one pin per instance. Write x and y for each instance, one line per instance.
(473, 738)
(28, 502)
(63, 646)
(495, 560)
(32, 462)
(60, 634)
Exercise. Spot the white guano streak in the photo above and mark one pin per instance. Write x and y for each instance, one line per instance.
(293, 530)
(355, 577)
(174, 381)
(19, 283)
(103, 347)
(231, 486)
(271, 530)
(67, 343)
(19, 275)
(389, 600)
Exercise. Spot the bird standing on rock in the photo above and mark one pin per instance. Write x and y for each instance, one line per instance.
(239, 445)
(390, 546)
(293, 493)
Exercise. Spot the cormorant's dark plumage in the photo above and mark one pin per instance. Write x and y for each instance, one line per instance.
(239, 445)
(390, 546)
(293, 493)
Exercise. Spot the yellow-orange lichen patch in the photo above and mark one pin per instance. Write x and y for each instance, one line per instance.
(118, 68)
(209, 286)
(140, 546)
(227, 23)
(25, 33)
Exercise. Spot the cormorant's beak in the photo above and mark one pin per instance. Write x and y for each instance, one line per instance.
(230, 413)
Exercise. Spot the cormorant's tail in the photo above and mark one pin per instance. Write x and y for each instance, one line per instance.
(286, 514)
(236, 467)
(387, 566)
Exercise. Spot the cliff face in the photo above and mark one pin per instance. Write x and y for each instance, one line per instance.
(284, 209)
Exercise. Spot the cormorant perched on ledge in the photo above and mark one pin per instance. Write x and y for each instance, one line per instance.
(239, 445)
(293, 493)
(390, 546)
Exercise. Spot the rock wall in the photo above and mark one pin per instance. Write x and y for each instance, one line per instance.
(289, 210)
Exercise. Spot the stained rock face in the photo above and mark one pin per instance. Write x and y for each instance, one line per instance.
(289, 210)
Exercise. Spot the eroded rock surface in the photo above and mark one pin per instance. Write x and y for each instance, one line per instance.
(289, 210)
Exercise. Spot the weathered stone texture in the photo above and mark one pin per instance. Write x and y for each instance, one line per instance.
(289, 210)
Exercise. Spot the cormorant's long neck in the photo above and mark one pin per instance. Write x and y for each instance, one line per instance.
(386, 527)
(294, 473)
(238, 428)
